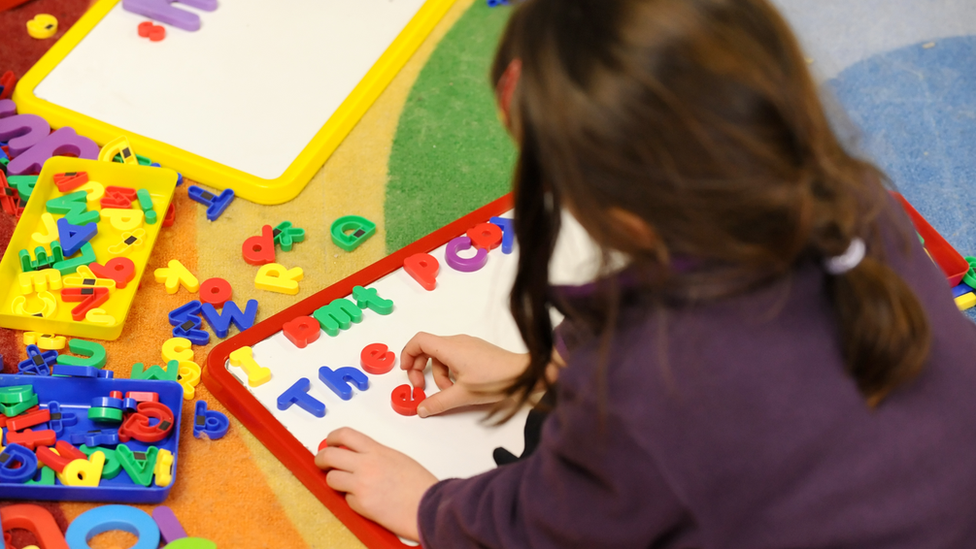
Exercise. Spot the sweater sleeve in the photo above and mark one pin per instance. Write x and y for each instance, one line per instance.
(589, 485)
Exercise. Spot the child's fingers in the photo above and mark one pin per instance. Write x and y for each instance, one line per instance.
(424, 346)
(418, 346)
(340, 480)
(416, 378)
(410, 363)
(351, 439)
(438, 403)
(442, 375)
(414, 364)
(336, 458)
(354, 504)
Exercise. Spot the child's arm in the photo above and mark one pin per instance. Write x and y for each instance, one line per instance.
(590, 484)
(380, 483)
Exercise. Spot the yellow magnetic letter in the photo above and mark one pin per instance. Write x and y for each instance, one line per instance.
(81, 472)
(85, 278)
(276, 278)
(189, 378)
(130, 240)
(177, 348)
(49, 304)
(244, 358)
(39, 281)
(47, 342)
(50, 230)
(164, 468)
(118, 146)
(100, 317)
(124, 220)
(176, 274)
(95, 192)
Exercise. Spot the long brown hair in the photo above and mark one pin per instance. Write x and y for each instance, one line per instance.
(700, 118)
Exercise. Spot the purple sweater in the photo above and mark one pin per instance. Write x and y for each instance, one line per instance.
(748, 435)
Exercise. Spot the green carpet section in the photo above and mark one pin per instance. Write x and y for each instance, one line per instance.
(451, 154)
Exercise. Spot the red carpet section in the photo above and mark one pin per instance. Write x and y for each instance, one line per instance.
(18, 51)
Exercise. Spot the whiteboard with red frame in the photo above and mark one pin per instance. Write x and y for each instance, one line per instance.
(457, 444)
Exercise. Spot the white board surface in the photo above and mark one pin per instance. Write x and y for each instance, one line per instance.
(455, 445)
(249, 90)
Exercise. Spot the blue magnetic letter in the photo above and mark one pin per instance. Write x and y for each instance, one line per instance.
(298, 394)
(340, 380)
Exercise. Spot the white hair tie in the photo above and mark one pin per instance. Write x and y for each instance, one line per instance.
(846, 261)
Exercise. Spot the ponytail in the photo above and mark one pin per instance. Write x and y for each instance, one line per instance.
(885, 336)
(536, 227)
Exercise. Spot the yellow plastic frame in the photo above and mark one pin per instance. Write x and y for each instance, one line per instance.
(208, 172)
(160, 182)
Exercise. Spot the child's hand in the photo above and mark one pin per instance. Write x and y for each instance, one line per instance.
(467, 370)
(380, 483)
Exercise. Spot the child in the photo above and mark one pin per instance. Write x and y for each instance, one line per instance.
(777, 365)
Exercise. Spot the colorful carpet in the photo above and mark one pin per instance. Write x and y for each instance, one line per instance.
(431, 149)
(233, 491)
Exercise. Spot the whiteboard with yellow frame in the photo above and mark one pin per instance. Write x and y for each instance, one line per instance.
(256, 100)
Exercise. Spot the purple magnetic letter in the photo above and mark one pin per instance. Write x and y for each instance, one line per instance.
(170, 528)
(61, 142)
(7, 108)
(23, 131)
(459, 263)
(162, 11)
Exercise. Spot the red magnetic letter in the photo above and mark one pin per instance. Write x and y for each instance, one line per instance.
(31, 439)
(119, 269)
(36, 520)
(260, 250)
(88, 297)
(423, 268)
(118, 197)
(485, 235)
(402, 402)
(216, 291)
(302, 330)
(70, 181)
(31, 419)
(377, 358)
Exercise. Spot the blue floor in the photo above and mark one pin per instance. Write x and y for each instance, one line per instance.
(904, 73)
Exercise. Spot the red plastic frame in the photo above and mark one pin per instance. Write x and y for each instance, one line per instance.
(945, 256)
(8, 4)
(229, 391)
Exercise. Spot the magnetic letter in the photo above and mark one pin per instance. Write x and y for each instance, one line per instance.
(377, 358)
(423, 268)
(404, 402)
(370, 298)
(62, 141)
(256, 374)
(464, 265)
(302, 330)
(486, 236)
(337, 316)
(508, 233)
(340, 380)
(298, 394)
(260, 250)
(23, 131)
